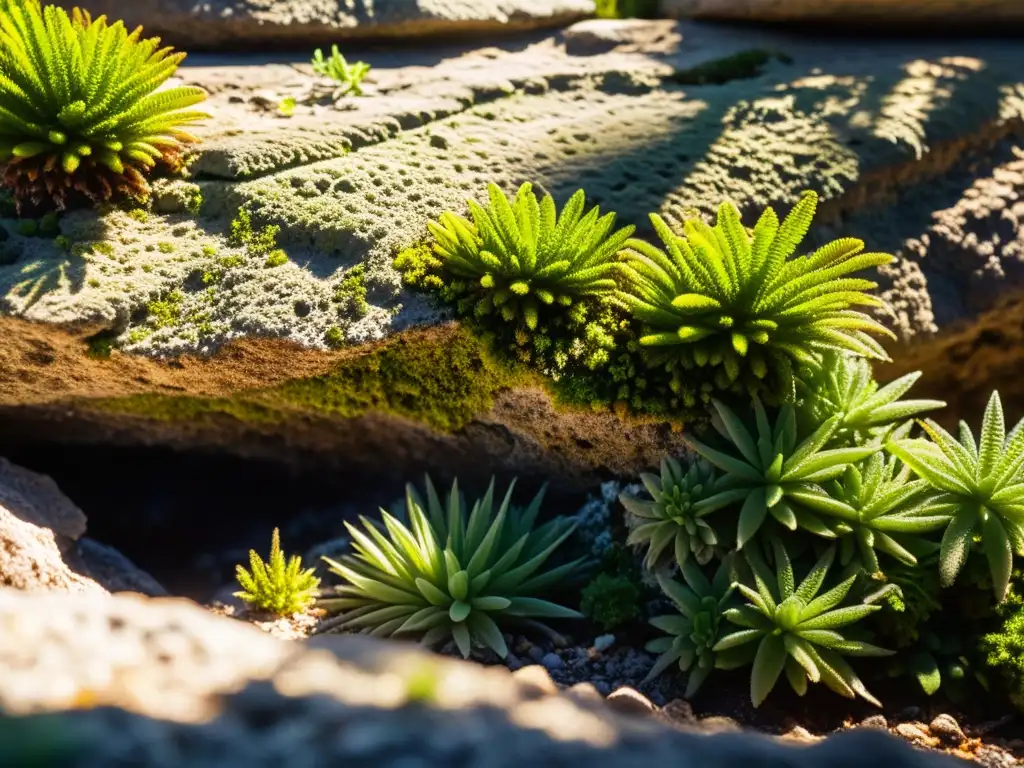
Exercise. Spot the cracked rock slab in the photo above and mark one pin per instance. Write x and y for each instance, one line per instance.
(221, 24)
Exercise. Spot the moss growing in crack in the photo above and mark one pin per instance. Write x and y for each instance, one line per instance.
(276, 258)
(350, 295)
(166, 312)
(441, 378)
(256, 244)
(739, 66)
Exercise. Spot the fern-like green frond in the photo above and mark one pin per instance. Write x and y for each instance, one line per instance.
(80, 109)
(451, 572)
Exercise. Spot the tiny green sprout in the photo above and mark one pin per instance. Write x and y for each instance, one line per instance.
(286, 107)
(348, 76)
(280, 587)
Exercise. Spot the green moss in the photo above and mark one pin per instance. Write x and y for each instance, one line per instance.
(103, 247)
(276, 258)
(166, 312)
(28, 227)
(209, 250)
(334, 337)
(140, 215)
(612, 601)
(165, 247)
(63, 242)
(256, 243)
(350, 294)
(441, 378)
(739, 66)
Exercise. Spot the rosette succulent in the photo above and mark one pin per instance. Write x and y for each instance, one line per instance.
(517, 258)
(891, 511)
(778, 473)
(672, 521)
(445, 576)
(840, 384)
(733, 302)
(795, 630)
(81, 109)
(980, 484)
(697, 628)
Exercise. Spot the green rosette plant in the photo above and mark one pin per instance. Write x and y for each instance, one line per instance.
(980, 483)
(891, 513)
(841, 384)
(694, 631)
(673, 521)
(81, 108)
(795, 630)
(735, 303)
(445, 576)
(776, 473)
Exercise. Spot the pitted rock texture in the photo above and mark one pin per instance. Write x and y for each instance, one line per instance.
(164, 683)
(950, 14)
(352, 184)
(239, 23)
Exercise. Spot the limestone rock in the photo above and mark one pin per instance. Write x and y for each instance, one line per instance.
(593, 36)
(239, 23)
(138, 682)
(950, 14)
(38, 526)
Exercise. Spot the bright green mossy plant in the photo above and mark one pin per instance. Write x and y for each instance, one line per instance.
(980, 483)
(535, 278)
(278, 586)
(730, 309)
(455, 572)
(795, 630)
(81, 111)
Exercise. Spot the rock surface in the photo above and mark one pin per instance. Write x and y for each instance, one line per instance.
(950, 14)
(221, 24)
(42, 547)
(163, 683)
(910, 143)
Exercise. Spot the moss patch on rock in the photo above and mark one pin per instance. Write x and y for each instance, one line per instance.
(442, 378)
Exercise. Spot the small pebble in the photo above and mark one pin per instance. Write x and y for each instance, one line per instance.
(799, 733)
(603, 643)
(513, 662)
(678, 712)
(874, 721)
(535, 652)
(630, 701)
(946, 727)
(553, 662)
(916, 733)
(584, 692)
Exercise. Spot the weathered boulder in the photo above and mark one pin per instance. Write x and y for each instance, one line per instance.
(238, 24)
(42, 547)
(891, 133)
(949, 14)
(122, 680)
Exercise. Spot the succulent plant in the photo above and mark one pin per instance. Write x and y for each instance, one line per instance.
(349, 77)
(278, 587)
(842, 384)
(779, 474)
(795, 630)
(516, 259)
(697, 628)
(889, 508)
(980, 484)
(733, 302)
(80, 109)
(445, 577)
(672, 521)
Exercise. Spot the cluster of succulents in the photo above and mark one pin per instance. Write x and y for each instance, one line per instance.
(82, 113)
